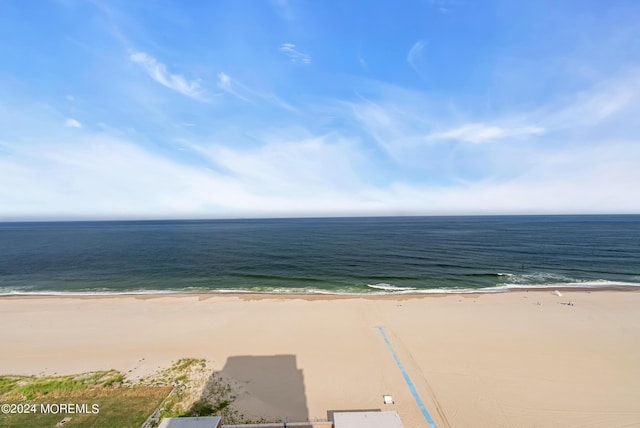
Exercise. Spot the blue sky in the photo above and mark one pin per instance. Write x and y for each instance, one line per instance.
(208, 109)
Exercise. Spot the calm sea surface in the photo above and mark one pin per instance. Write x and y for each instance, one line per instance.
(339, 255)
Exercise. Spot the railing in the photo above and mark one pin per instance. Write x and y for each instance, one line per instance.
(154, 419)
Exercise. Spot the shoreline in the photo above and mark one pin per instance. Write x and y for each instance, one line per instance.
(623, 288)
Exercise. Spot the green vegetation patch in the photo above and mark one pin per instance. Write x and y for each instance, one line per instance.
(9, 383)
(97, 399)
(31, 387)
(185, 363)
(106, 399)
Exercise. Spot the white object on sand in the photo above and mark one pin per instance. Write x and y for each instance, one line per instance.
(387, 399)
(559, 294)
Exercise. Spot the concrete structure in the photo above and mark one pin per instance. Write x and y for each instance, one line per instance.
(199, 422)
(325, 424)
(367, 420)
(346, 419)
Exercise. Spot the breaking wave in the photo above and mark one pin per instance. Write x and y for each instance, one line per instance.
(389, 287)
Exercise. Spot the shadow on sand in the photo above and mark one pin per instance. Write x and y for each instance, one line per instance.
(257, 388)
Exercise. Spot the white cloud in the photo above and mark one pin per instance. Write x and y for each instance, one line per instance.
(290, 166)
(103, 177)
(481, 133)
(233, 87)
(244, 93)
(381, 124)
(397, 123)
(294, 55)
(414, 56)
(83, 174)
(158, 72)
(100, 176)
(595, 180)
(72, 123)
(614, 97)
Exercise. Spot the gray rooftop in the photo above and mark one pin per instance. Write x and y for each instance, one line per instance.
(199, 422)
(367, 420)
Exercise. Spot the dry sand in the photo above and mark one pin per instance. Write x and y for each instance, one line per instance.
(492, 360)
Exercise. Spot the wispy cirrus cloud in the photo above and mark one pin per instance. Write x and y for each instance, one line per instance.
(158, 72)
(233, 87)
(481, 133)
(414, 57)
(608, 99)
(242, 92)
(290, 50)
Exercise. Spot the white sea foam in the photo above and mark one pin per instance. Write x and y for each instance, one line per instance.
(389, 287)
(378, 289)
(540, 278)
(86, 293)
(601, 283)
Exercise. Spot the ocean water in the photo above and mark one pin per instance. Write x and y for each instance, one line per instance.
(335, 255)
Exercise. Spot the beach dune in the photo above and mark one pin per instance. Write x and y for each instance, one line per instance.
(474, 360)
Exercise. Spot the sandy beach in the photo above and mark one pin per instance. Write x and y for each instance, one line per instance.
(476, 360)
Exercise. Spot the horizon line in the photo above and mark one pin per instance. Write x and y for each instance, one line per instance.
(314, 217)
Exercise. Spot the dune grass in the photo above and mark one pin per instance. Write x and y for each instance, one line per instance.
(197, 391)
(107, 402)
